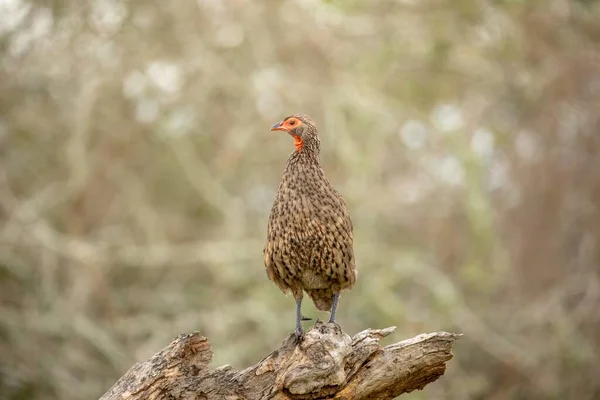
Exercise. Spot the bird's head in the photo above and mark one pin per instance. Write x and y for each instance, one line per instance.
(301, 127)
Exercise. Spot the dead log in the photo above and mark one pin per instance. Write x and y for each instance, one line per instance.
(325, 364)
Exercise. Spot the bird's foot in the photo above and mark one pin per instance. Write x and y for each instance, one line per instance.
(334, 323)
(298, 333)
(333, 320)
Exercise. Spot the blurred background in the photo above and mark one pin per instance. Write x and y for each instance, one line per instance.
(137, 171)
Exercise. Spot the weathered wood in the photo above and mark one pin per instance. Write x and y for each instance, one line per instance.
(326, 363)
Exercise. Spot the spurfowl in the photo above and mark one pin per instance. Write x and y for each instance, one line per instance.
(309, 239)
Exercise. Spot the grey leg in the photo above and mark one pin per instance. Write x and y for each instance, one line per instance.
(334, 305)
(299, 332)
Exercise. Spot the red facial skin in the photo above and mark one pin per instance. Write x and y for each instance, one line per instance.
(289, 125)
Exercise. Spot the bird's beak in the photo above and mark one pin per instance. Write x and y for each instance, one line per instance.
(277, 127)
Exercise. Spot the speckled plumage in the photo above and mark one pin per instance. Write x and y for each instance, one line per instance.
(310, 239)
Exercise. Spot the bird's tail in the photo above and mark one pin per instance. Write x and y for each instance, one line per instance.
(322, 298)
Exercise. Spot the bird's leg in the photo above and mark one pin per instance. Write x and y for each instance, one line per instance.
(299, 332)
(334, 305)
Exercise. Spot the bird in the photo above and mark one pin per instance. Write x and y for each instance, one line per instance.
(310, 237)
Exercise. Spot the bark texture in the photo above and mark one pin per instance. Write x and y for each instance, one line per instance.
(325, 364)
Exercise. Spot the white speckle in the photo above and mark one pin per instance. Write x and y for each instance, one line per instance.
(42, 23)
(451, 171)
(413, 134)
(40, 26)
(166, 76)
(13, 12)
(447, 118)
(135, 84)
(108, 15)
(498, 174)
(147, 110)
(527, 146)
(482, 143)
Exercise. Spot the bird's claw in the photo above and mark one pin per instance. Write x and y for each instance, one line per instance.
(298, 333)
(303, 318)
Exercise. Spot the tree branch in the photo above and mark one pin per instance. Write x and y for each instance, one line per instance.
(327, 363)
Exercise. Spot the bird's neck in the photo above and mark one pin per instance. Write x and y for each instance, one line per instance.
(307, 150)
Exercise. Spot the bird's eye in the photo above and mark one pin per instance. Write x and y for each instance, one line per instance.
(292, 122)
